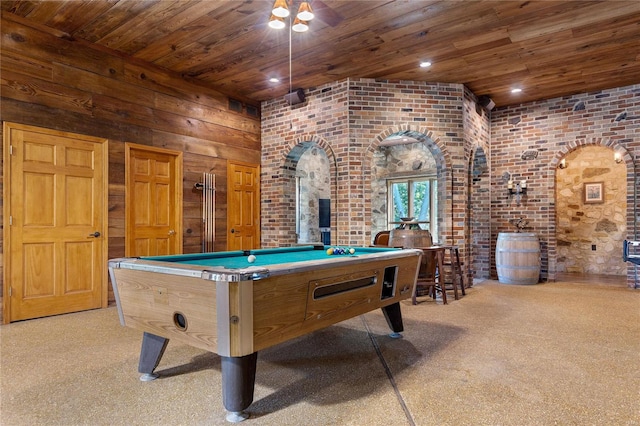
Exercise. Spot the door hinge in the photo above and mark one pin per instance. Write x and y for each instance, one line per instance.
(10, 220)
(10, 291)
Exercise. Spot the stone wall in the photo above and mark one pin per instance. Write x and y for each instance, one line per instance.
(313, 174)
(590, 235)
(396, 161)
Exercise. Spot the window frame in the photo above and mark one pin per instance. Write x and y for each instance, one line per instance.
(432, 221)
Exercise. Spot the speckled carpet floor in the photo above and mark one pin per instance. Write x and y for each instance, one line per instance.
(549, 354)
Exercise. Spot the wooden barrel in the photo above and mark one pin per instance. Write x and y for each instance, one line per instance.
(410, 238)
(518, 258)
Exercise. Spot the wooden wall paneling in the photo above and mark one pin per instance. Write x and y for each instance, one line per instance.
(215, 115)
(210, 148)
(50, 81)
(115, 110)
(209, 131)
(93, 83)
(51, 118)
(159, 81)
(32, 90)
(25, 65)
(194, 166)
(47, 44)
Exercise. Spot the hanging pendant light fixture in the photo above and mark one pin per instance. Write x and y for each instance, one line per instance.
(276, 22)
(280, 9)
(305, 13)
(299, 26)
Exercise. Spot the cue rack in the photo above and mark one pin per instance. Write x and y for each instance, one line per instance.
(208, 188)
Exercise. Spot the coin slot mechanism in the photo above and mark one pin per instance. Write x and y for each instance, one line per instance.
(389, 282)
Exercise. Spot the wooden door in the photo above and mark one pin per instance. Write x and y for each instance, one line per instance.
(153, 201)
(55, 222)
(243, 206)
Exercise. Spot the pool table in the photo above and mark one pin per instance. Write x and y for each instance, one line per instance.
(237, 303)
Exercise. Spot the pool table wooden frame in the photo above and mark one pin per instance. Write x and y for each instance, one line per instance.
(238, 312)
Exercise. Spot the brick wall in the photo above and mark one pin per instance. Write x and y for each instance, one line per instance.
(477, 206)
(349, 119)
(554, 128)
(473, 150)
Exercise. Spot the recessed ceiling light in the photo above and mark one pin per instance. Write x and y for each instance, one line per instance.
(425, 64)
(274, 80)
(516, 90)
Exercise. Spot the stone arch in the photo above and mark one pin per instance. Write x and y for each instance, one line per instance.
(559, 155)
(438, 150)
(295, 149)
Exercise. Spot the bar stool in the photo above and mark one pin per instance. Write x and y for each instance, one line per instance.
(454, 274)
(431, 273)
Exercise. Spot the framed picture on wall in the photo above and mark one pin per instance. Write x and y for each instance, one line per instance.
(593, 192)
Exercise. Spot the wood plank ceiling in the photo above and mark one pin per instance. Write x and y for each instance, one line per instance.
(548, 48)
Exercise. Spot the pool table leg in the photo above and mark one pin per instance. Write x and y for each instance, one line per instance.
(150, 354)
(394, 318)
(238, 382)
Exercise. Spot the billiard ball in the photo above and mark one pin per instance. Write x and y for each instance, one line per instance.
(352, 250)
(329, 251)
(251, 258)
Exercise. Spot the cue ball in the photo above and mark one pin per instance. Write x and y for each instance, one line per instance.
(352, 250)
(251, 258)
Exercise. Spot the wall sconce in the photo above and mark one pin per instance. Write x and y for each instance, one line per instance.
(617, 157)
(517, 188)
(563, 164)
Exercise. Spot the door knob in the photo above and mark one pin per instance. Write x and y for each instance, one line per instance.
(95, 234)
(233, 231)
(172, 232)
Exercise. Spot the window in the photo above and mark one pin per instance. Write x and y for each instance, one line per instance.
(413, 198)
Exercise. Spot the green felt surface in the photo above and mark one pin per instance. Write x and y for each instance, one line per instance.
(264, 257)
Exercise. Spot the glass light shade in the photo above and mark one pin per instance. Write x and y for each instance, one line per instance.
(299, 26)
(305, 13)
(280, 9)
(277, 23)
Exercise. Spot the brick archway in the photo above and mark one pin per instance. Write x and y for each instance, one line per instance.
(443, 166)
(286, 228)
